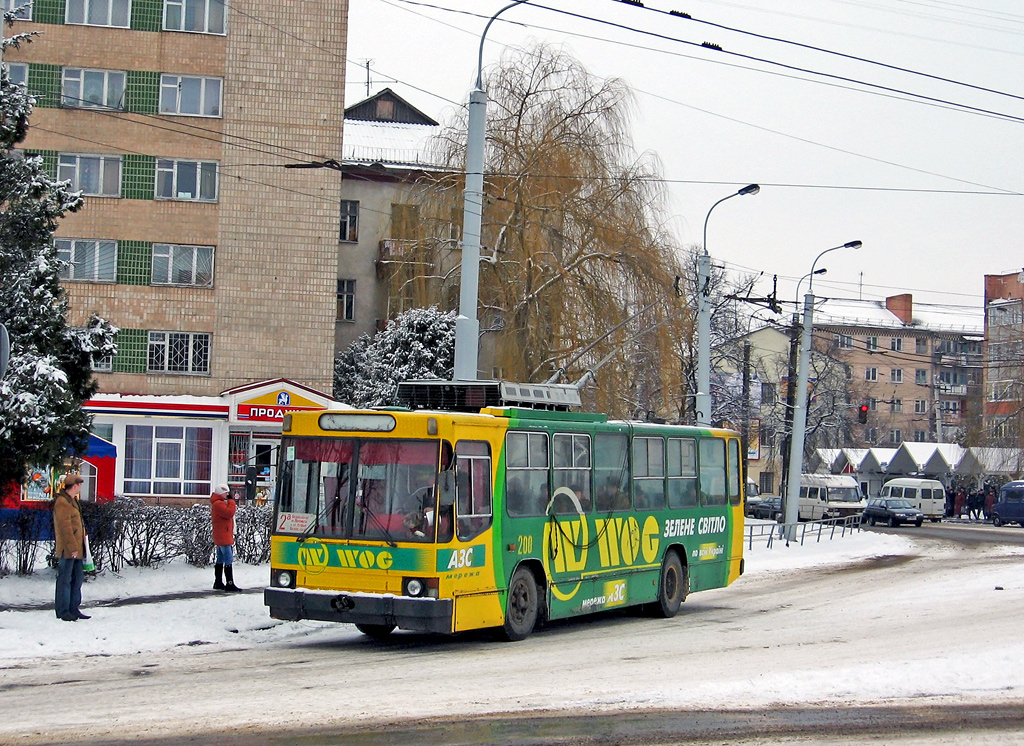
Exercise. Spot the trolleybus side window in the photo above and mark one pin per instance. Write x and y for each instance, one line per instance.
(734, 472)
(526, 473)
(682, 473)
(571, 461)
(648, 473)
(712, 471)
(611, 472)
(473, 488)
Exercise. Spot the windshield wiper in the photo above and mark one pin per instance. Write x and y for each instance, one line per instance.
(380, 524)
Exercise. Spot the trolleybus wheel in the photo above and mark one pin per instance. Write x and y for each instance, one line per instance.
(376, 631)
(521, 611)
(673, 587)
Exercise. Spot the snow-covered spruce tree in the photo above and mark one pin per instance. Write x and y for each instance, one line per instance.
(348, 368)
(41, 416)
(418, 344)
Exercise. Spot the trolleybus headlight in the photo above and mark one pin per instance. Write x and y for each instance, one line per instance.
(414, 587)
(420, 587)
(284, 579)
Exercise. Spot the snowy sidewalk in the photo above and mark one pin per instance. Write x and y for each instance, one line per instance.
(172, 606)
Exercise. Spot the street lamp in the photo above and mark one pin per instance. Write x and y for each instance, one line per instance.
(467, 325)
(703, 399)
(796, 447)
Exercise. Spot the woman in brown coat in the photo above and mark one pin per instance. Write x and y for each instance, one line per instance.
(69, 548)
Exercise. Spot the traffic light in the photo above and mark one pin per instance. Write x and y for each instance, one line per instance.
(862, 414)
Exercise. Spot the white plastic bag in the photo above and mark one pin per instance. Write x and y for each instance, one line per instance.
(87, 564)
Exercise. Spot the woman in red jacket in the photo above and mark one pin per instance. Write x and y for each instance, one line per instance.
(222, 509)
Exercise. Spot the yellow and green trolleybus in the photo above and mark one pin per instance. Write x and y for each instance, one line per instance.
(491, 505)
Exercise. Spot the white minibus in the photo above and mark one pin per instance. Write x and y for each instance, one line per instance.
(927, 495)
(829, 496)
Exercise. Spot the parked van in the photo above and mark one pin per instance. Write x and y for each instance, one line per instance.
(829, 496)
(1009, 507)
(927, 495)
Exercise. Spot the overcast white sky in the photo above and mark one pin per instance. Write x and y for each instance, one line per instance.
(935, 193)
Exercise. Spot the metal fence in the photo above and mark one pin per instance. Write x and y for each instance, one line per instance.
(803, 531)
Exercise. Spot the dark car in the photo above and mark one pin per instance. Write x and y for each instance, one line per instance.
(892, 510)
(769, 507)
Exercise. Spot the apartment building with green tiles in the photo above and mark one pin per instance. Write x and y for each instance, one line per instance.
(176, 118)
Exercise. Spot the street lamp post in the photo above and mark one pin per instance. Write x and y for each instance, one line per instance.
(796, 448)
(467, 325)
(703, 399)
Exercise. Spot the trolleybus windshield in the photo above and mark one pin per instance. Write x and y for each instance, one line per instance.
(362, 488)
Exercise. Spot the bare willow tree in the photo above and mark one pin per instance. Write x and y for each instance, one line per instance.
(577, 273)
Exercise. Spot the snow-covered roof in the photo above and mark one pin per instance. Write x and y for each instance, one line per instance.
(926, 458)
(1007, 461)
(394, 144)
(873, 313)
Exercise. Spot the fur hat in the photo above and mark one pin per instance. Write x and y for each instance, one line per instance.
(222, 489)
(72, 479)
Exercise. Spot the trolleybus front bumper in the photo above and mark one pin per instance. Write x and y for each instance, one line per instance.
(422, 614)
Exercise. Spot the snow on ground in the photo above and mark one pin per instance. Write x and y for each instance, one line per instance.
(241, 619)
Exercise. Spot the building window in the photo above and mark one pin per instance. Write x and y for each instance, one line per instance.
(768, 394)
(921, 345)
(162, 460)
(191, 96)
(767, 482)
(178, 352)
(22, 9)
(349, 221)
(174, 264)
(346, 300)
(871, 374)
(895, 405)
(86, 260)
(200, 16)
(921, 377)
(872, 405)
(844, 341)
(949, 407)
(896, 344)
(920, 406)
(189, 180)
(896, 375)
(920, 436)
(103, 364)
(94, 175)
(17, 72)
(99, 12)
(871, 434)
(871, 343)
(895, 437)
(92, 89)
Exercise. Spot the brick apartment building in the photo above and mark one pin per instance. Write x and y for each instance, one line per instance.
(1004, 368)
(917, 367)
(218, 265)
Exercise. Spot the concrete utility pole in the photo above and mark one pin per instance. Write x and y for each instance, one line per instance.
(796, 449)
(467, 325)
(703, 400)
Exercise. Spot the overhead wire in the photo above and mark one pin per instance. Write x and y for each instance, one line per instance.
(823, 50)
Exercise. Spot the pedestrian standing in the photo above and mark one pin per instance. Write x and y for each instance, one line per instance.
(222, 510)
(990, 501)
(958, 504)
(69, 548)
